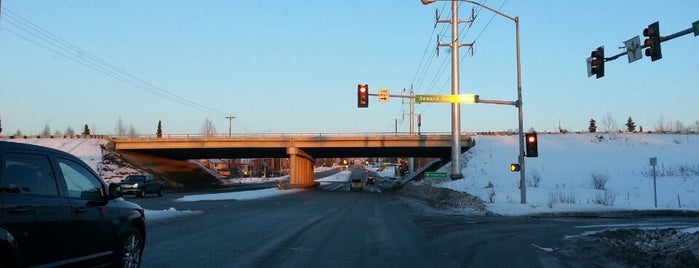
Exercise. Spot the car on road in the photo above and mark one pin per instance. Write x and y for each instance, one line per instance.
(370, 180)
(356, 184)
(140, 185)
(56, 211)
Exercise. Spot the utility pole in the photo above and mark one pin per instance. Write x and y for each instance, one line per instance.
(230, 123)
(411, 114)
(455, 107)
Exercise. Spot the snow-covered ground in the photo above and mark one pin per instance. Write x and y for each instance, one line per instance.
(568, 166)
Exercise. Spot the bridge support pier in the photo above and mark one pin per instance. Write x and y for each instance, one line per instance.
(301, 169)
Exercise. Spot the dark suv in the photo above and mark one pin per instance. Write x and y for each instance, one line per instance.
(140, 185)
(56, 211)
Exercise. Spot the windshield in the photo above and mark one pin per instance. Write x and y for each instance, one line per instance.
(137, 178)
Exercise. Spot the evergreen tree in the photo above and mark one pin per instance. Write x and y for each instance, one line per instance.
(593, 126)
(159, 132)
(641, 129)
(630, 125)
(86, 131)
(46, 132)
(0, 125)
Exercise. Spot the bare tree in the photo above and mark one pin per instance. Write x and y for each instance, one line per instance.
(131, 132)
(208, 128)
(609, 123)
(679, 127)
(662, 125)
(120, 128)
(69, 131)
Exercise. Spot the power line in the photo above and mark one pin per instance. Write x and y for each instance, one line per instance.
(51, 42)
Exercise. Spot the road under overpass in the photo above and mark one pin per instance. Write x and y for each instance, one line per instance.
(300, 149)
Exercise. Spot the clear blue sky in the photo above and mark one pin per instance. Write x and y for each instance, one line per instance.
(294, 66)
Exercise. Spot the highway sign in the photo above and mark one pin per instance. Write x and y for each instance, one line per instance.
(695, 26)
(383, 95)
(435, 174)
(633, 49)
(447, 98)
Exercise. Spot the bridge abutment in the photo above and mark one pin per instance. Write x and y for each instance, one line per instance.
(301, 169)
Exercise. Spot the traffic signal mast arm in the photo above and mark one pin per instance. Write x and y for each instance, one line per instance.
(662, 39)
(394, 96)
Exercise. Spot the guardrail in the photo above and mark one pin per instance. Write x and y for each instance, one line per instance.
(278, 135)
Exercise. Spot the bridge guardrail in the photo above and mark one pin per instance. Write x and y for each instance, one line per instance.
(280, 135)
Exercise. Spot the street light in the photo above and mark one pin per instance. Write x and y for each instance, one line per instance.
(519, 86)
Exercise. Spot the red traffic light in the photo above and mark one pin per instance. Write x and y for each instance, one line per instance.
(531, 138)
(597, 62)
(652, 42)
(362, 95)
(531, 141)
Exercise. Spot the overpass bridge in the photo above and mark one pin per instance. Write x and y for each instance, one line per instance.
(301, 149)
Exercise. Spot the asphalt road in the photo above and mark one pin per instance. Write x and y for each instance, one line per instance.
(333, 227)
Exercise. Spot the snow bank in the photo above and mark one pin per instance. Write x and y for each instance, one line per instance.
(566, 166)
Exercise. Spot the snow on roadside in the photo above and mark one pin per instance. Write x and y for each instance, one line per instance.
(566, 166)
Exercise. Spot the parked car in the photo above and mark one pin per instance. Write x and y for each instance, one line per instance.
(356, 184)
(56, 211)
(140, 185)
(370, 180)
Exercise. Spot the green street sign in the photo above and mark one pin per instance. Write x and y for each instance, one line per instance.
(695, 26)
(447, 98)
(435, 174)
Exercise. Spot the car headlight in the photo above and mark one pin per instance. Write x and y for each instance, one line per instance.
(135, 185)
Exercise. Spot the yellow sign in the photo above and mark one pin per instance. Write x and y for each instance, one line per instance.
(384, 95)
(447, 98)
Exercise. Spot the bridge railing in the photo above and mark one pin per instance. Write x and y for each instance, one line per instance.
(278, 135)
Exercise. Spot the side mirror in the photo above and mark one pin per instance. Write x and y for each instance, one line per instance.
(115, 190)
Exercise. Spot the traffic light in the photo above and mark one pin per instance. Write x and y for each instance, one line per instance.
(652, 42)
(597, 63)
(532, 148)
(362, 95)
(515, 167)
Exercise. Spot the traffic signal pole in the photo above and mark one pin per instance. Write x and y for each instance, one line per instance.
(662, 39)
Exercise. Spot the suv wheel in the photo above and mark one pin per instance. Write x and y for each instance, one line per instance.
(141, 193)
(130, 249)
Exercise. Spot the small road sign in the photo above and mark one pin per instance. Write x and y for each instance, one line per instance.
(384, 95)
(633, 49)
(653, 161)
(447, 98)
(435, 174)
